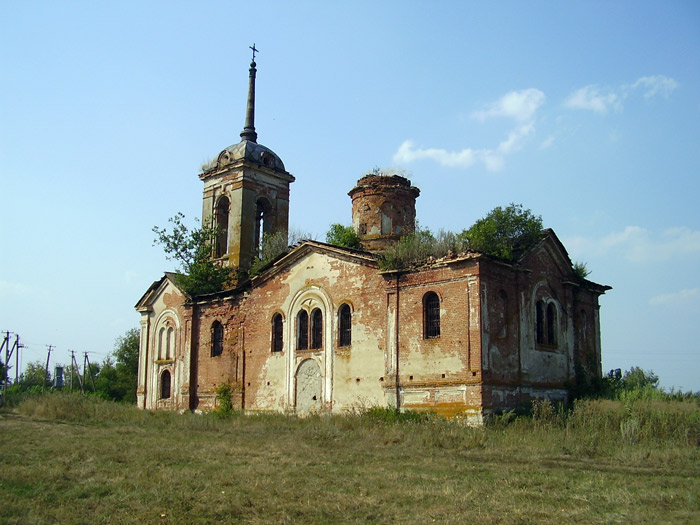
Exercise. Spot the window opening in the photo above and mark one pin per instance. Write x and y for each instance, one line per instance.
(217, 339)
(165, 385)
(302, 330)
(277, 333)
(161, 342)
(539, 328)
(345, 326)
(316, 329)
(170, 343)
(262, 224)
(431, 308)
(221, 222)
(386, 218)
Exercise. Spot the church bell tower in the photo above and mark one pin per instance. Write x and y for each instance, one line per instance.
(246, 192)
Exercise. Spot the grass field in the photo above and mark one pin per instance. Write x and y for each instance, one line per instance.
(72, 459)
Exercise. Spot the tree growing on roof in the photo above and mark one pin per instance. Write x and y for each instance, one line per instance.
(344, 236)
(192, 249)
(504, 232)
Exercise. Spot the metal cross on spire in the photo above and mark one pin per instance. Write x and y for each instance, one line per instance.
(254, 51)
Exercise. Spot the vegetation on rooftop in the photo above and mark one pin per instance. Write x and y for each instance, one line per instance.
(421, 247)
(192, 249)
(274, 245)
(504, 233)
(343, 236)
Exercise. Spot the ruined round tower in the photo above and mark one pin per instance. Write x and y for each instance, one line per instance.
(383, 209)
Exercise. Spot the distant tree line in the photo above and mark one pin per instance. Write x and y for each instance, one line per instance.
(115, 378)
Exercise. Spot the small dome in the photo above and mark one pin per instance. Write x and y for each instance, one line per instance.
(251, 151)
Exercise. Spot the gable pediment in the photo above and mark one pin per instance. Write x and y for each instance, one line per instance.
(306, 250)
(165, 285)
(549, 255)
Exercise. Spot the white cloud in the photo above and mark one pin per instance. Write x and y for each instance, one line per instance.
(520, 105)
(655, 85)
(492, 160)
(408, 152)
(594, 98)
(591, 98)
(516, 138)
(547, 142)
(676, 297)
(639, 245)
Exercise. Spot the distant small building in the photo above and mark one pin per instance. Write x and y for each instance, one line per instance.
(323, 328)
(58, 377)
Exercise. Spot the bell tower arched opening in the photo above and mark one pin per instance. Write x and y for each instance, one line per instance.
(221, 224)
(263, 223)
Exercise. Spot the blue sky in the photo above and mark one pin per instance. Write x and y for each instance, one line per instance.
(588, 113)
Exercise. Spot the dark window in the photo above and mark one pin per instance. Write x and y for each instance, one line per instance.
(217, 339)
(316, 329)
(165, 385)
(221, 218)
(302, 330)
(277, 333)
(431, 315)
(539, 327)
(345, 325)
(551, 324)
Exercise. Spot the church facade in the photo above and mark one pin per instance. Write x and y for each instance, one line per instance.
(323, 328)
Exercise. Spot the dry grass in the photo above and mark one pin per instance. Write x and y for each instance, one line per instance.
(68, 459)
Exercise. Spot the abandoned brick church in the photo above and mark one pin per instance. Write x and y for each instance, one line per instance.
(323, 328)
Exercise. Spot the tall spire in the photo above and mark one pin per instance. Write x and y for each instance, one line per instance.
(248, 132)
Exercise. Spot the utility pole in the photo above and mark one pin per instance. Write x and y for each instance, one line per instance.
(6, 346)
(74, 365)
(18, 346)
(86, 366)
(46, 370)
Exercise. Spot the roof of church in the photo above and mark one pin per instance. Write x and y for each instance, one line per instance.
(252, 151)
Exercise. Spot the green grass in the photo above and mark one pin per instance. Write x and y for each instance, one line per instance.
(75, 459)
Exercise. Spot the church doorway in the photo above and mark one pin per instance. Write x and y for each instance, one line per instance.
(308, 387)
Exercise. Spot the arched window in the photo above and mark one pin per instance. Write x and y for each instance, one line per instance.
(263, 223)
(302, 330)
(170, 343)
(277, 333)
(551, 324)
(344, 325)
(221, 223)
(217, 339)
(386, 225)
(162, 343)
(316, 329)
(431, 315)
(539, 323)
(165, 385)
